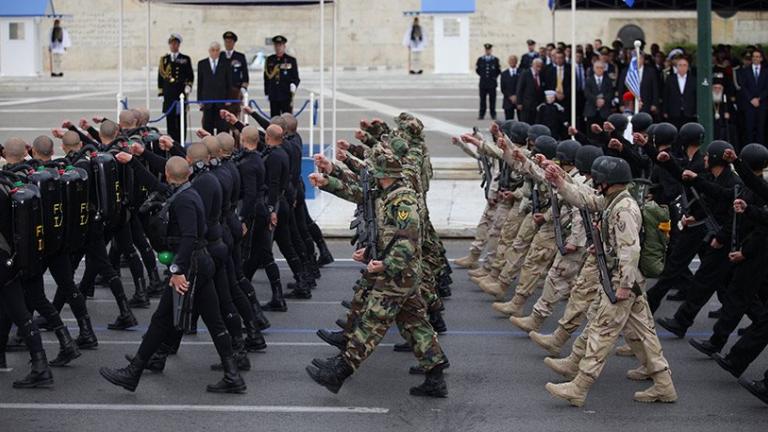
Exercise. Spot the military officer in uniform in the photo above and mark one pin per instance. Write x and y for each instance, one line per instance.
(174, 76)
(238, 68)
(281, 78)
(489, 69)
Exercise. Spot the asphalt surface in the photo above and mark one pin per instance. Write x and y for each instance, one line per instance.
(496, 380)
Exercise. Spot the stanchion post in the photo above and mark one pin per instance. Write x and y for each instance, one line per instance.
(182, 119)
(119, 97)
(312, 125)
(244, 114)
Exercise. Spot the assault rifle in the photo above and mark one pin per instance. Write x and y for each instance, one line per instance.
(595, 237)
(557, 222)
(367, 234)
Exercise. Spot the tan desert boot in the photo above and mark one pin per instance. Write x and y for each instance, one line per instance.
(470, 261)
(624, 351)
(638, 374)
(552, 343)
(662, 389)
(479, 272)
(490, 285)
(575, 392)
(567, 367)
(528, 324)
(513, 307)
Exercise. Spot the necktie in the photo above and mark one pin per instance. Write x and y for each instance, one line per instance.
(536, 77)
(213, 67)
(559, 87)
(757, 73)
(599, 81)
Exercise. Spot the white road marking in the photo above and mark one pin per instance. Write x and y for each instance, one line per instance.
(204, 343)
(290, 302)
(4, 370)
(197, 408)
(54, 98)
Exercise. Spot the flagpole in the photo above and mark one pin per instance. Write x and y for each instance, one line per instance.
(637, 57)
(573, 61)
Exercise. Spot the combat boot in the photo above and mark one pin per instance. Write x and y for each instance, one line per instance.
(140, 300)
(513, 307)
(241, 357)
(314, 267)
(403, 347)
(346, 304)
(624, 351)
(39, 376)
(662, 389)
(704, 346)
(672, 326)
(156, 285)
(758, 388)
(68, 350)
(552, 343)
(437, 321)
(434, 383)
(126, 319)
(640, 373)
(333, 375)
(575, 392)
(470, 261)
(336, 339)
(478, 273)
(127, 377)
(277, 304)
(232, 381)
(492, 286)
(567, 367)
(259, 319)
(254, 340)
(87, 338)
(303, 289)
(528, 324)
(325, 257)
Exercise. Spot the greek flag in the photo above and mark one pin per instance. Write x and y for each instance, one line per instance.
(630, 3)
(632, 81)
(552, 4)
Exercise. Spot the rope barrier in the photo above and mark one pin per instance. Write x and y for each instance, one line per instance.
(174, 106)
(252, 103)
(214, 101)
(298, 113)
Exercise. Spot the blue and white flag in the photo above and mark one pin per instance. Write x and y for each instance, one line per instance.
(552, 4)
(630, 3)
(632, 81)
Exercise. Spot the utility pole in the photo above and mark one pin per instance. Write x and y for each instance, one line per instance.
(704, 68)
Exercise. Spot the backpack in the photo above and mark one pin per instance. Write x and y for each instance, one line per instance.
(52, 208)
(654, 238)
(155, 217)
(75, 185)
(109, 190)
(27, 243)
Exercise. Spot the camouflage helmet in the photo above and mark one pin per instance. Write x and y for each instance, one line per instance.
(409, 124)
(398, 145)
(384, 164)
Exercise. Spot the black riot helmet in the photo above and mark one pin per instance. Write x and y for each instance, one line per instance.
(585, 157)
(641, 122)
(518, 132)
(619, 122)
(545, 145)
(566, 151)
(663, 134)
(755, 156)
(690, 134)
(611, 170)
(506, 127)
(538, 130)
(716, 151)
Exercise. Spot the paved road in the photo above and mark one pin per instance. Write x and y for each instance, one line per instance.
(496, 381)
(30, 107)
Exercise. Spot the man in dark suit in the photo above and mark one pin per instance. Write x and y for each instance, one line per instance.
(557, 77)
(581, 80)
(214, 82)
(238, 70)
(530, 91)
(488, 69)
(649, 87)
(281, 78)
(509, 87)
(174, 77)
(754, 98)
(679, 106)
(598, 94)
(527, 59)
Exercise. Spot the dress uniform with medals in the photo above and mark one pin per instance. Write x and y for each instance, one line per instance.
(489, 69)
(238, 67)
(174, 76)
(281, 77)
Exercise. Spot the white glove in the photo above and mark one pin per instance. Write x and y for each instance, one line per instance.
(243, 91)
(293, 88)
(187, 89)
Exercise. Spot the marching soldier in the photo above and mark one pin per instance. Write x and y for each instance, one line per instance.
(489, 69)
(238, 70)
(281, 78)
(174, 76)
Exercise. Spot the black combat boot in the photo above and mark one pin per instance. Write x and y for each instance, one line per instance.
(728, 365)
(16, 344)
(323, 363)
(126, 319)
(403, 347)
(277, 304)
(438, 324)
(232, 381)
(156, 362)
(346, 304)
(444, 285)
(758, 388)
(336, 339)
(313, 266)
(303, 290)
(418, 370)
(325, 257)
(140, 299)
(39, 376)
(331, 376)
(68, 350)
(87, 338)
(342, 323)
(434, 384)
(262, 323)
(156, 285)
(704, 346)
(241, 357)
(127, 377)
(672, 326)
(254, 340)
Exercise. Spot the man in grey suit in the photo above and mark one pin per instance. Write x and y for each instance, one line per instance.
(214, 82)
(598, 94)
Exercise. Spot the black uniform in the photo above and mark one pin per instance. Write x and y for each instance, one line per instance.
(279, 74)
(238, 73)
(488, 68)
(172, 76)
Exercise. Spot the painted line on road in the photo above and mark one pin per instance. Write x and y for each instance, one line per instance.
(290, 302)
(204, 343)
(55, 98)
(197, 408)
(5, 370)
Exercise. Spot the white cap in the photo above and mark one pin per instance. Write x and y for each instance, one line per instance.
(175, 36)
(550, 93)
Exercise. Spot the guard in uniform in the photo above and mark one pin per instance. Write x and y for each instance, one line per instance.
(281, 78)
(489, 69)
(238, 70)
(174, 76)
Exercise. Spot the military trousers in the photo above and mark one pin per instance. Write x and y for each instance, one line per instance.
(538, 259)
(483, 228)
(559, 280)
(515, 254)
(507, 236)
(583, 294)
